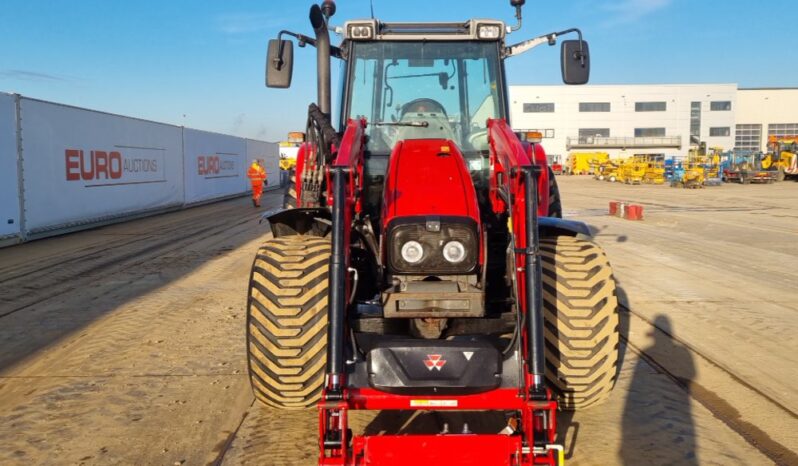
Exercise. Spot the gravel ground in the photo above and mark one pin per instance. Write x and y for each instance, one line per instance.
(125, 344)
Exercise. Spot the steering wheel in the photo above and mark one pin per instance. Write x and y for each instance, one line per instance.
(423, 105)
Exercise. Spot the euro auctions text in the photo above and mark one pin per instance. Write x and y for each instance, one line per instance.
(99, 167)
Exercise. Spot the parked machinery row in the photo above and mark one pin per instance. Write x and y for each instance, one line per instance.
(702, 167)
(638, 169)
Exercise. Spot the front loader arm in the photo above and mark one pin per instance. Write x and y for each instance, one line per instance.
(514, 191)
(344, 183)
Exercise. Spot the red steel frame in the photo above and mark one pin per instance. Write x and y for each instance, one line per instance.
(507, 156)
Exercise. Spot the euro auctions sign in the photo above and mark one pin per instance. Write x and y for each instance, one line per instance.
(219, 165)
(119, 166)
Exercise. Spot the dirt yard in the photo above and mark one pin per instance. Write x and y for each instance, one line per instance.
(125, 344)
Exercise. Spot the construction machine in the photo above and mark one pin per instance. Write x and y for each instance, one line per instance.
(746, 168)
(782, 156)
(689, 174)
(289, 149)
(423, 263)
(655, 168)
(585, 163)
(632, 170)
(288, 152)
(712, 166)
(605, 169)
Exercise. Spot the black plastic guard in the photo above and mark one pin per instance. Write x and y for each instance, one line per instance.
(432, 367)
(301, 221)
(552, 226)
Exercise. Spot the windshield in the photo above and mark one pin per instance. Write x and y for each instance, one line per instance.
(420, 90)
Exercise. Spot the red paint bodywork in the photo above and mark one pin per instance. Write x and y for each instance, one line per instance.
(301, 157)
(441, 450)
(410, 190)
(428, 177)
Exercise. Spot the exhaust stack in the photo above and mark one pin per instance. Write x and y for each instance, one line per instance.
(318, 19)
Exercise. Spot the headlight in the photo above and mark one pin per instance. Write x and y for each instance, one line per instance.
(360, 31)
(432, 246)
(412, 252)
(454, 252)
(488, 31)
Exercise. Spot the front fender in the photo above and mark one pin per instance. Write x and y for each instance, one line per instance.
(313, 221)
(552, 226)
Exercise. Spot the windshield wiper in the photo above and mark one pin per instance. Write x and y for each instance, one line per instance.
(420, 124)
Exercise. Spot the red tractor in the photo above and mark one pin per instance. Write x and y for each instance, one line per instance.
(420, 263)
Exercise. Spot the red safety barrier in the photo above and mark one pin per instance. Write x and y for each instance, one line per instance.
(634, 212)
(626, 210)
(614, 207)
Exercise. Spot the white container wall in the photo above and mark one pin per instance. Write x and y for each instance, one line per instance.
(269, 155)
(9, 187)
(79, 168)
(215, 165)
(82, 166)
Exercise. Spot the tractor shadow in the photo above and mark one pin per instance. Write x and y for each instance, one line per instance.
(569, 423)
(657, 423)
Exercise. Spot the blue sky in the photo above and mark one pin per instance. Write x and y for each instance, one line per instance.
(200, 64)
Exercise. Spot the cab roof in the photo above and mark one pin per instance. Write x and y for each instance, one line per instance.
(473, 29)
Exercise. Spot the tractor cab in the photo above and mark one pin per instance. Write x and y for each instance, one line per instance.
(436, 82)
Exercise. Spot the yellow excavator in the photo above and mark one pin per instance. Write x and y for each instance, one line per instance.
(782, 156)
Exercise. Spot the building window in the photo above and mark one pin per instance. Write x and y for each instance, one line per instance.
(539, 108)
(649, 132)
(783, 129)
(695, 122)
(720, 106)
(594, 106)
(650, 106)
(593, 132)
(748, 137)
(723, 131)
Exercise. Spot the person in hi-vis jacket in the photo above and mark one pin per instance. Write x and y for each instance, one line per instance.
(257, 176)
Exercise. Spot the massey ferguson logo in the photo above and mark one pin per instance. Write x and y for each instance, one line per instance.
(434, 361)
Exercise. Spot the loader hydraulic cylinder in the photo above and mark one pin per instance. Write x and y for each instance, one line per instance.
(337, 298)
(533, 291)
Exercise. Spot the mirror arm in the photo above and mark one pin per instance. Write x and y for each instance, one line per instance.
(551, 39)
(303, 40)
(527, 45)
(578, 32)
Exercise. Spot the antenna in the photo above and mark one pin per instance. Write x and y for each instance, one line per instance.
(371, 2)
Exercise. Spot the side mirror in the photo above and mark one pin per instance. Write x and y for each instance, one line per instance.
(575, 58)
(280, 63)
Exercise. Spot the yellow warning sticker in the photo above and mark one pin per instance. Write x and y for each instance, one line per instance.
(433, 403)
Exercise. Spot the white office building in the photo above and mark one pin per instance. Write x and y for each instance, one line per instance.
(765, 112)
(652, 119)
